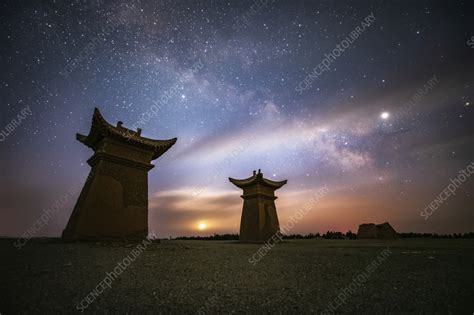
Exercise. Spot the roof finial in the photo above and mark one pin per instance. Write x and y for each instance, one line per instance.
(254, 172)
(119, 123)
(259, 171)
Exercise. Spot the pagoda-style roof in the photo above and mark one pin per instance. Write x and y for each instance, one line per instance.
(101, 128)
(257, 178)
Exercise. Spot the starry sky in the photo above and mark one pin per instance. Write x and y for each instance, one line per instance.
(226, 77)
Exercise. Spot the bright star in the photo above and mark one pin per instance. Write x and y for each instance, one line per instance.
(384, 115)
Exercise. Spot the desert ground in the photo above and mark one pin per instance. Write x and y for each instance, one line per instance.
(420, 276)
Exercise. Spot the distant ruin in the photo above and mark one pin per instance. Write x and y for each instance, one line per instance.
(259, 219)
(113, 203)
(376, 231)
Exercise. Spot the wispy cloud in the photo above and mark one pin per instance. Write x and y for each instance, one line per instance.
(177, 212)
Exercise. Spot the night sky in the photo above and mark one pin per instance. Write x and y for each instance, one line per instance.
(228, 79)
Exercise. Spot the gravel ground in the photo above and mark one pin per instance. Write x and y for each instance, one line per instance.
(301, 276)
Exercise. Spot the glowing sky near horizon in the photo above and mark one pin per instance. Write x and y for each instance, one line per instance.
(351, 131)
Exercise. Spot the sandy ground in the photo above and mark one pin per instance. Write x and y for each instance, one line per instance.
(301, 276)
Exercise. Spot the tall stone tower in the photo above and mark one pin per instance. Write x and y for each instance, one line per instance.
(259, 217)
(113, 203)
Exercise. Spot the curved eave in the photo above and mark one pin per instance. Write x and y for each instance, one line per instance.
(274, 184)
(81, 138)
(164, 146)
(101, 128)
(241, 183)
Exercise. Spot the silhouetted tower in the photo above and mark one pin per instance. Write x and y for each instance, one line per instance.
(114, 200)
(259, 217)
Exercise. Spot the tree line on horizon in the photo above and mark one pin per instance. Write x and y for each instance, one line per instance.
(332, 235)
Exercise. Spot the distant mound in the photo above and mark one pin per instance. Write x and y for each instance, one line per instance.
(378, 231)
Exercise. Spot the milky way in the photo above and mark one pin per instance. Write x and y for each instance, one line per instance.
(371, 100)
